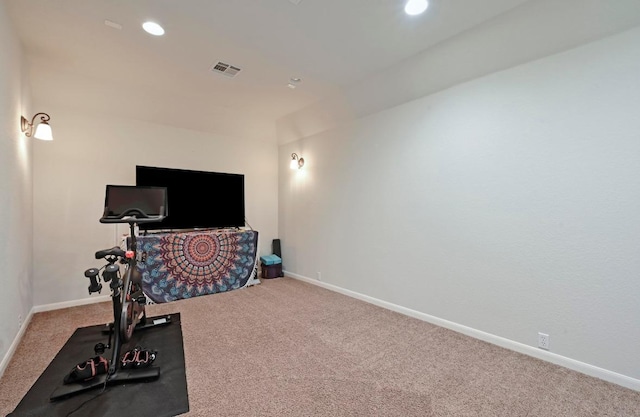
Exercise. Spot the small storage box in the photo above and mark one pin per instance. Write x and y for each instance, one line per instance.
(270, 260)
(272, 271)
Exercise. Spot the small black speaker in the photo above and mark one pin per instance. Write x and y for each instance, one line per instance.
(276, 247)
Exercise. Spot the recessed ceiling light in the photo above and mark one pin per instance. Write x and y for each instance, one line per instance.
(153, 28)
(415, 7)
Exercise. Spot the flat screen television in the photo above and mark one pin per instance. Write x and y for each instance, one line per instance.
(196, 199)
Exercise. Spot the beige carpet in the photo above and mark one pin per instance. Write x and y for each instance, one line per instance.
(288, 348)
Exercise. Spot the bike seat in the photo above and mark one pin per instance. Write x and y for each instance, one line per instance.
(114, 251)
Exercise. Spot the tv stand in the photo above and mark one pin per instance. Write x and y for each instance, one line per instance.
(192, 263)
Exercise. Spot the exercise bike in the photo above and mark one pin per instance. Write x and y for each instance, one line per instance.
(133, 205)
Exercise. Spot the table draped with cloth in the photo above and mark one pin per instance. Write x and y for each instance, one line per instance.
(183, 265)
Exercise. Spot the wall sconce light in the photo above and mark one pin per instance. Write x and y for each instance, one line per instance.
(296, 161)
(43, 130)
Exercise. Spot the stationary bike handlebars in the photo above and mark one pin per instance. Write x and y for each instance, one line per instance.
(134, 215)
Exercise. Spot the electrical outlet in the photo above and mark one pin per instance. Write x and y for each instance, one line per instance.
(543, 341)
(319, 276)
(19, 320)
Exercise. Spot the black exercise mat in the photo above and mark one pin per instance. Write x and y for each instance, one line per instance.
(165, 396)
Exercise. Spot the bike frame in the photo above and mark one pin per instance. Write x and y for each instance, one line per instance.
(127, 311)
(127, 297)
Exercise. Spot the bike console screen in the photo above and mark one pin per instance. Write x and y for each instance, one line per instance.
(129, 200)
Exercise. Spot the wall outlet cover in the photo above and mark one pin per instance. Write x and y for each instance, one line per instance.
(543, 341)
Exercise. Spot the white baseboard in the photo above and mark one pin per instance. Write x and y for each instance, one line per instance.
(585, 368)
(39, 309)
(15, 343)
(74, 303)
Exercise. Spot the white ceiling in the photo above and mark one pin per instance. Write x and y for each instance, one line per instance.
(330, 44)
(335, 46)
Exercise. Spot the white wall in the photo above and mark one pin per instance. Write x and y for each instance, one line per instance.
(509, 204)
(16, 292)
(533, 30)
(90, 151)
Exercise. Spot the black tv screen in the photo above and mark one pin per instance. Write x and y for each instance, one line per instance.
(196, 199)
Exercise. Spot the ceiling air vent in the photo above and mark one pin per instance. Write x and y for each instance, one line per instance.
(225, 69)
